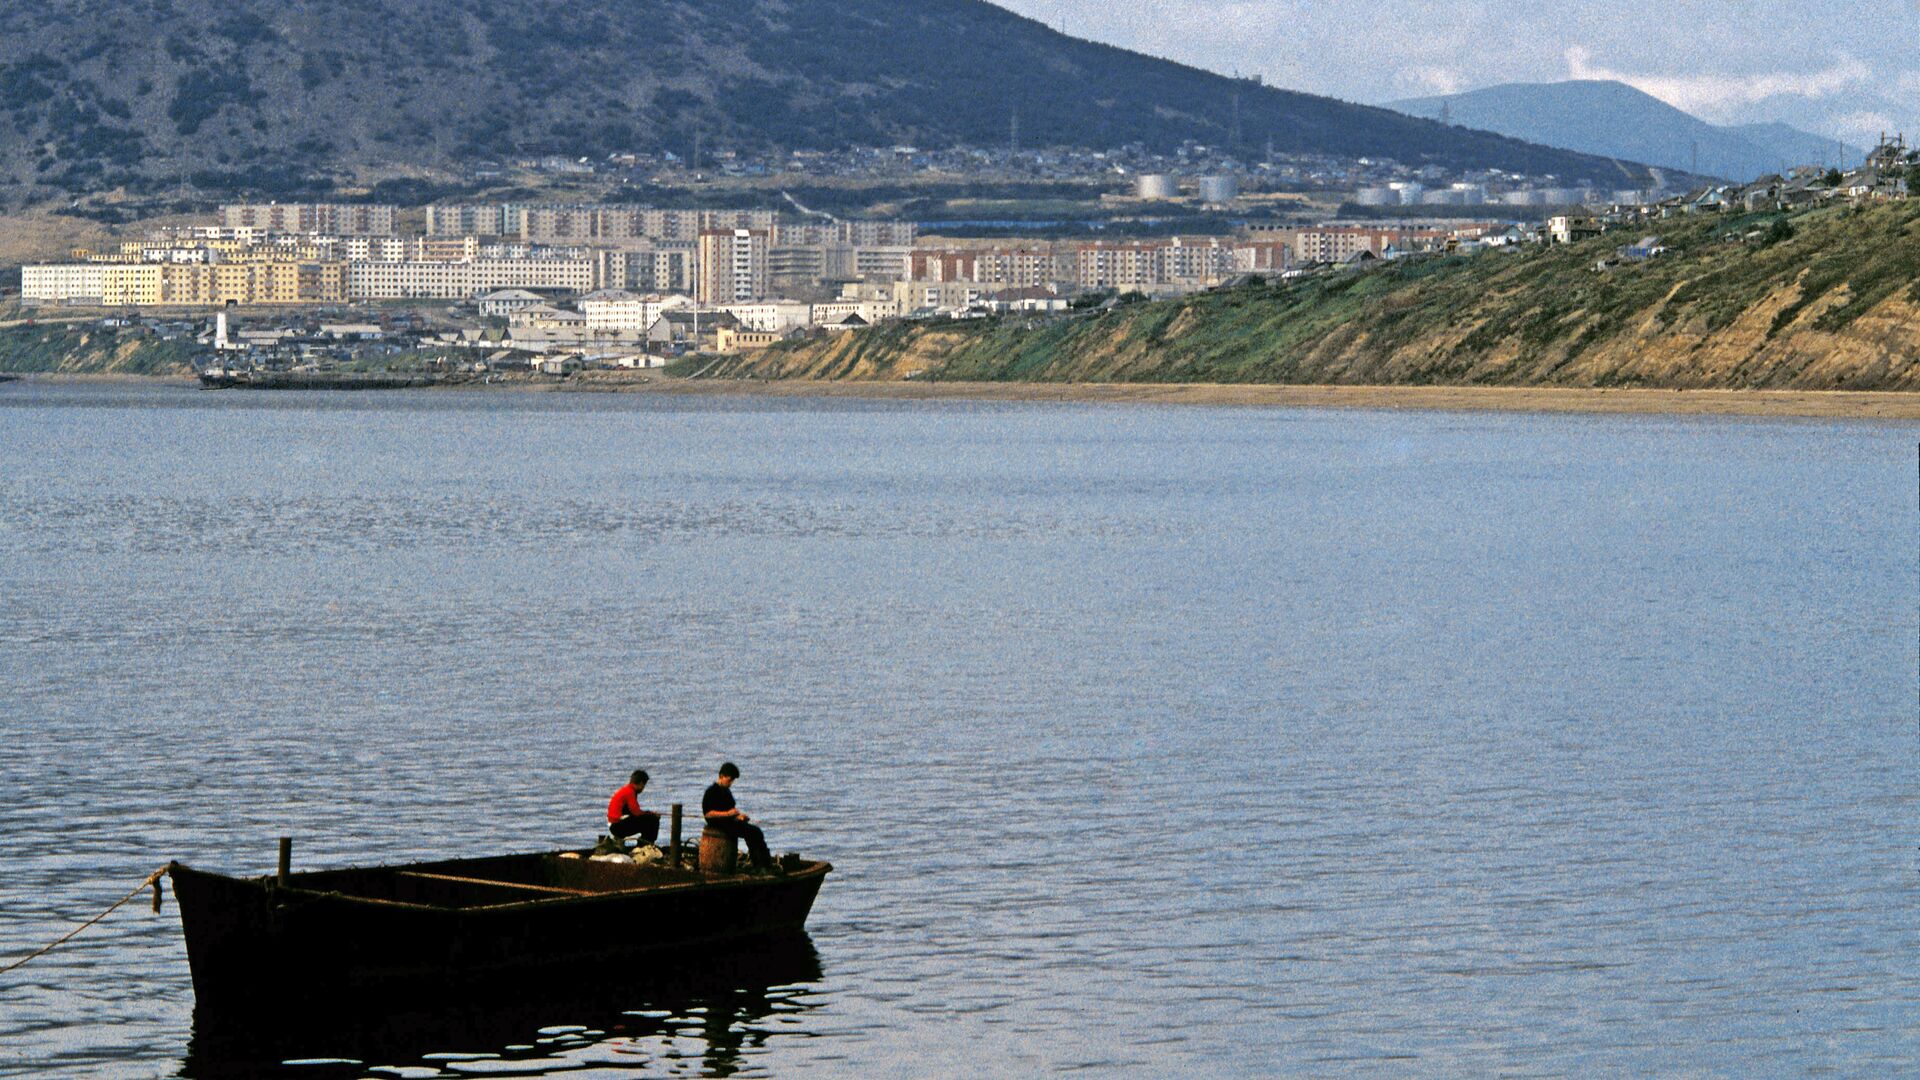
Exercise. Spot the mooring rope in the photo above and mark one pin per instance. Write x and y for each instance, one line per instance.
(153, 882)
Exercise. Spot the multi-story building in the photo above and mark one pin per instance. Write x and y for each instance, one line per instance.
(620, 312)
(1196, 262)
(937, 295)
(1338, 243)
(551, 223)
(344, 220)
(771, 315)
(1003, 267)
(792, 233)
(105, 284)
(646, 266)
(185, 284)
(872, 311)
(1262, 257)
(929, 264)
(255, 283)
(733, 266)
(459, 280)
(1127, 267)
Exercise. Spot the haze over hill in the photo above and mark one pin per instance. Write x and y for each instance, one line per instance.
(1616, 120)
(231, 93)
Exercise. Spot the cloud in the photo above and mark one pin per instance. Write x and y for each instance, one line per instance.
(1422, 81)
(1716, 97)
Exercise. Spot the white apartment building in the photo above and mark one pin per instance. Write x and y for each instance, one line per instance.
(624, 312)
(771, 316)
(106, 284)
(436, 280)
(871, 310)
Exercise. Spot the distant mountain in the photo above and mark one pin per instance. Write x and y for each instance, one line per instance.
(1613, 119)
(98, 93)
(1792, 146)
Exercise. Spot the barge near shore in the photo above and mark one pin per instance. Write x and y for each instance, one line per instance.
(253, 379)
(464, 926)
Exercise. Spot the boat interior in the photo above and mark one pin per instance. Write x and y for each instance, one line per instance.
(499, 880)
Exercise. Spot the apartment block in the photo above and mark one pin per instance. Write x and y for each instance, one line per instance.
(153, 283)
(105, 284)
(619, 312)
(341, 219)
(648, 266)
(771, 315)
(459, 280)
(733, 266)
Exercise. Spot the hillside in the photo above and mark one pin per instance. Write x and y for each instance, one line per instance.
(1616, 120)
(1831, 300)
(255, 94)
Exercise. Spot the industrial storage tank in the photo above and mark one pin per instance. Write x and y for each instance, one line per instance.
(1156, 186)
(1219, 189)
(1376, 196)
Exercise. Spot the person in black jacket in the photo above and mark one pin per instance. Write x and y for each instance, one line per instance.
(724, 815)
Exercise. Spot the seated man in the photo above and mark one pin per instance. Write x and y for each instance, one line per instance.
(721, 814)
(624, 816)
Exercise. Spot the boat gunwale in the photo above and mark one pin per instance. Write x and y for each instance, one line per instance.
(813, 869)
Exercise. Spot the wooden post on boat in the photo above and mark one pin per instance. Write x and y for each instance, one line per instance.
(674, 847)
(286, 861)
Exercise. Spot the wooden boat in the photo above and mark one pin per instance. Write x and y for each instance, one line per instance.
(463, 925)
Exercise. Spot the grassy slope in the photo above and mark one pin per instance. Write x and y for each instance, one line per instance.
(86, 348)
(1835, 306)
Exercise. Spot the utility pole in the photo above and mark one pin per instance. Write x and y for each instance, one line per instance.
(1013, 133)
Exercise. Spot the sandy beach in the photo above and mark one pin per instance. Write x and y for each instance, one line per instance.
(1830, 404)
(1801, 403)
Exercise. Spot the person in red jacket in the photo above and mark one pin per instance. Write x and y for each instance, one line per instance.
(624, 816)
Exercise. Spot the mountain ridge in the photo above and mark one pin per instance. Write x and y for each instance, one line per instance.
(1614, 119)
(143, 93)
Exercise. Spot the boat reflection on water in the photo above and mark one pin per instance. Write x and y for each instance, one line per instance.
(690, 1014)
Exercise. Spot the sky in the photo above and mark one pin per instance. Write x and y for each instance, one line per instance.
(1838, 68)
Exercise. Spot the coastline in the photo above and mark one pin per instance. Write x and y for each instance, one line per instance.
(1827, 404)
(1812, 404)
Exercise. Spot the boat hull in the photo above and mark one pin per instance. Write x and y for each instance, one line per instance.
(313, 380)
(455, 928)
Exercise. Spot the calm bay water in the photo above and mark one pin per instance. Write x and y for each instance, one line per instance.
(1162, 741)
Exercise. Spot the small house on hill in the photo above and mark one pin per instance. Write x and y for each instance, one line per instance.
(1647, 247)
